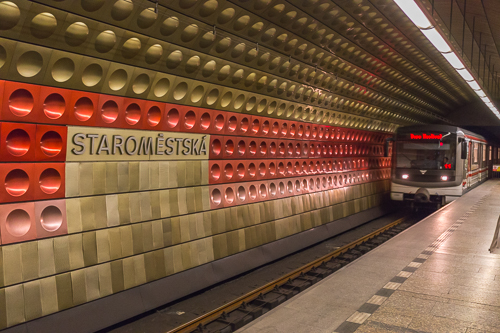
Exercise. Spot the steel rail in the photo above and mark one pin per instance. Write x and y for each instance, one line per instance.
(235, 304)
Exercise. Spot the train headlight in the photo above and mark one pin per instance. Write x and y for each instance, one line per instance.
(444, 178)
(405, 176)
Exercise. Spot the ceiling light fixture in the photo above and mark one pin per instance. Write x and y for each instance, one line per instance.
(418, 17)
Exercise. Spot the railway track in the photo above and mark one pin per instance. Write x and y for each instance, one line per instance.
(237, 313)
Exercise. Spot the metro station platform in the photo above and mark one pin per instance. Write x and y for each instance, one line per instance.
(437, 276)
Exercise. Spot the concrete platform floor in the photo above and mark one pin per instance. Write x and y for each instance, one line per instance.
(437, 276)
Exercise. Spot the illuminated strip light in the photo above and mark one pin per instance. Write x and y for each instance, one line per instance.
(417, 16)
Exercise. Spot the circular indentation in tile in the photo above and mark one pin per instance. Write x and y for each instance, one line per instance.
(216, 147)
(131, 47)
(255, 28)
(76, 34)
(262, 105)
(21, 102)
(239, 101)
(9, 15)
(153, 54)
(43, 25)
(251, 103)
(169, 26)
(109, 111)
(63, 69)
(225, 16)
(238, 50)
(263, 190)
(224, 72)
(18, 142)
(241, 22)
(226, 99)
(192, 64)
(3, 56)
(190, 119)
(50, 181)
(154, 116)
(189, 33)
(228, 171)
(92, 5)
(51, 143)
(268, 35)
(133, 114)
(105, 41)
(209, 68)
(29, 64)
(92, 75)
(212, 96)
(229, 195)
(216, 196)
(84, 108)
(197, 94)
(146, 18)
(241, 193)
(205, 121)
(51, 218)
(261, 4)
(141, 84)
(161, 88)
(118, 80)
(244, 125)
(215, 172)
(250, 79)
(173, 118)
(232, 123)
(122, 9)
(223, 45)
(207, 39)
(252, 192)
(174, 59)
(208, 8)
(180, 91)
(54, 106)
(17, 182)
(18, 223)
(277, 9)
(219, 123)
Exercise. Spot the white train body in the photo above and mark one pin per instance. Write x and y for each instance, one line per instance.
(437, 164)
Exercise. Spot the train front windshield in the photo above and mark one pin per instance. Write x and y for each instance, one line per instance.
(427, 154)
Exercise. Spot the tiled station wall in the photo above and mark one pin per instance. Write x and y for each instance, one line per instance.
(210, 171)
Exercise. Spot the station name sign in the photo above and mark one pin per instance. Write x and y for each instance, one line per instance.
(425, 136)
(105, 144)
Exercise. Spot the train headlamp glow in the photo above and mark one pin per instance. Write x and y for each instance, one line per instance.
(444, 178)
(405, 176)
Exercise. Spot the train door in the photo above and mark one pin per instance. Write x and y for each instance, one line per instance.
(467, 164)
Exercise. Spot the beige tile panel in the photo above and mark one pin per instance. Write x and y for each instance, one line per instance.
(72, 252)
(96, 178)
(41, 297)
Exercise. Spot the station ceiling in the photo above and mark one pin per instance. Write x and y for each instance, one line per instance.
(370, 52)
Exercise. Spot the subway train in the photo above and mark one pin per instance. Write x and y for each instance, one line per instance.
(436, 164)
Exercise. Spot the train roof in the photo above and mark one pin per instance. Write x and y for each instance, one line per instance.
(440, 128)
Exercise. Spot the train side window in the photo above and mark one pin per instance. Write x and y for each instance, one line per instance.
(484, 153)
(463, 154)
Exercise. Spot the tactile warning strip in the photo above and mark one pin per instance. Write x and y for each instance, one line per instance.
(366, 310)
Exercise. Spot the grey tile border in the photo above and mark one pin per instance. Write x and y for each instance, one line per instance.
(352, 323)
